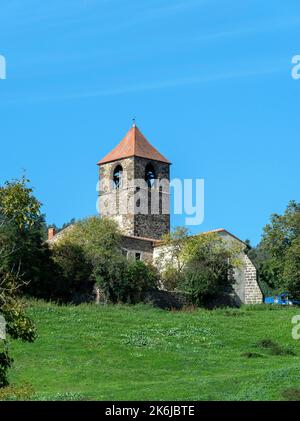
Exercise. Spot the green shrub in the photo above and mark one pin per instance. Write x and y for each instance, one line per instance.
(202, 283)
(109, 275)
(277, 257)
(5, 363)
(170, 278)
(291, 273)
(88, 252)
(74, 272)
(124, 280)
(19, 212)
(200, 266)
(140, 277)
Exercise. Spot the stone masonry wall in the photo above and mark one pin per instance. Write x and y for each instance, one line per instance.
(139, 211)
(138, 245)
(114, 203)
(156, 222)
(253, 294)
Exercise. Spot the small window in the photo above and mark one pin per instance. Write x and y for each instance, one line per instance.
(149, 175)
(117, 177)
(137, 256)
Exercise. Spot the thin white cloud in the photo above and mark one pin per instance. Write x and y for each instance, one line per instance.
(151, 86)
(167, 47)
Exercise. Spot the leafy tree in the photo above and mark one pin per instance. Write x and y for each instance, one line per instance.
(170, 262)
(210, 262)
(277, 254)
(176, 241)
(17, 206)
(27, 232)
(291, 274)
(171, 277)
(99, 237)
(98, 242)
(127, 280)
(76, 254)
(109, 275)
(140, 278)
(198, 265)
(90, 253)
(32, 255)
(73, 274)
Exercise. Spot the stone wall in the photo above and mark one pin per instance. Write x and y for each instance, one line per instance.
(156, 222)
(253, 293)
(134, 245)
(246, 288)
(113, 203)
(139, 211)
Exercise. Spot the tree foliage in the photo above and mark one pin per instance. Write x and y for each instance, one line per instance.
(198, 265)
(209, 267)
(90, 253)
(18, 204)
(18, 207)
(73, 274)
(27, 232)
(277, 256)
(291, 274)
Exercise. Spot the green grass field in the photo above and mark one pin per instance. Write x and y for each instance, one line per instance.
(91, 352)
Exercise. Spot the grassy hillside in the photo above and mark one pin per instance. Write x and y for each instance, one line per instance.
(141, 353)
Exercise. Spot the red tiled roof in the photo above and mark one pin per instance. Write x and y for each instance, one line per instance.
(133, 144)
(135, 237)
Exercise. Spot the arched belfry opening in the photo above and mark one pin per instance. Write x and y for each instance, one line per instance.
(150, 175)
(117, 177)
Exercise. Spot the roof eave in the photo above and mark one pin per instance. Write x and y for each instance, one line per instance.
(104, 161)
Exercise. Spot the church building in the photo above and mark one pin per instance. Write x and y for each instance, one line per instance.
(134, 191)
(135, 159)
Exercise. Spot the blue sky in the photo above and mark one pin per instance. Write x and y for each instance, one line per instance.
(209, 82)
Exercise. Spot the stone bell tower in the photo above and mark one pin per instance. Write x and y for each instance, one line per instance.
(134, 187)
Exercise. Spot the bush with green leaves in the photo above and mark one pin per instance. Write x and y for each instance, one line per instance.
(291, 273)
(19, 209)
(139, 278)
(123, 280)
(171, 277)
(27, 235)
(200, 266)
(73, 274)
(209, 267)
(277, 256)
(90, 253)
